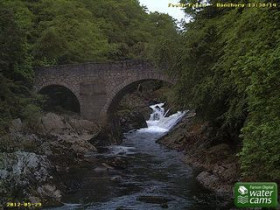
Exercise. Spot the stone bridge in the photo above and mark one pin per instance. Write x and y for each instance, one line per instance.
(98, 86)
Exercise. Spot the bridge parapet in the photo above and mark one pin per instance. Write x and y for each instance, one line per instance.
(98, 66)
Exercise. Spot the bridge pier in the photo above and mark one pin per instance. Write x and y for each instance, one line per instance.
(91, 107)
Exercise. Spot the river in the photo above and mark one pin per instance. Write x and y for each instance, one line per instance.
(155, 176)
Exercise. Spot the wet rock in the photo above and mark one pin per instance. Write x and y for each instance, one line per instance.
(153, 199)
(131, 120)
(118, 163)
(153, 102)
(102, 138)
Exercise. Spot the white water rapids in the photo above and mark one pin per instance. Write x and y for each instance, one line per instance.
(159, 122)
(158, 125)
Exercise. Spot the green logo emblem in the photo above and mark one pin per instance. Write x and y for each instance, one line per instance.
(255, 194)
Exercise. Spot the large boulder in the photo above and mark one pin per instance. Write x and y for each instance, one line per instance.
(82, 125)
(53, 123)
(131, 120)
(212, 182)
(20, 166)
(105, 136)
(56, 124)
(22, 172)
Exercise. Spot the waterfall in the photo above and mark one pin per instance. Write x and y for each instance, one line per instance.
(159, 122)
(158, 112)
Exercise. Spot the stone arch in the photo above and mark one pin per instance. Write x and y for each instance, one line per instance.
(115, 93)
(44, 89)
(41, 85)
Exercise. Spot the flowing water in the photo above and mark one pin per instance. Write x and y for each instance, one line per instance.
(153, 171)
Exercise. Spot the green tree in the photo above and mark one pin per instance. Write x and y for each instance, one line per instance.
(67, 33)
(16, 61)
(229, 71)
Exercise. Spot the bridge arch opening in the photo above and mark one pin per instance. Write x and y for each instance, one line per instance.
(121, 118)
(60, 99)
(136, 86)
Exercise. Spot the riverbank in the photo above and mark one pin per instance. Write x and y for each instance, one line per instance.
(37, 161)
(217, 163)
(32, 159)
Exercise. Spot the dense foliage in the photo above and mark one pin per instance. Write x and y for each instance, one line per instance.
(229, 69)
(53, 32)
(16, 61)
